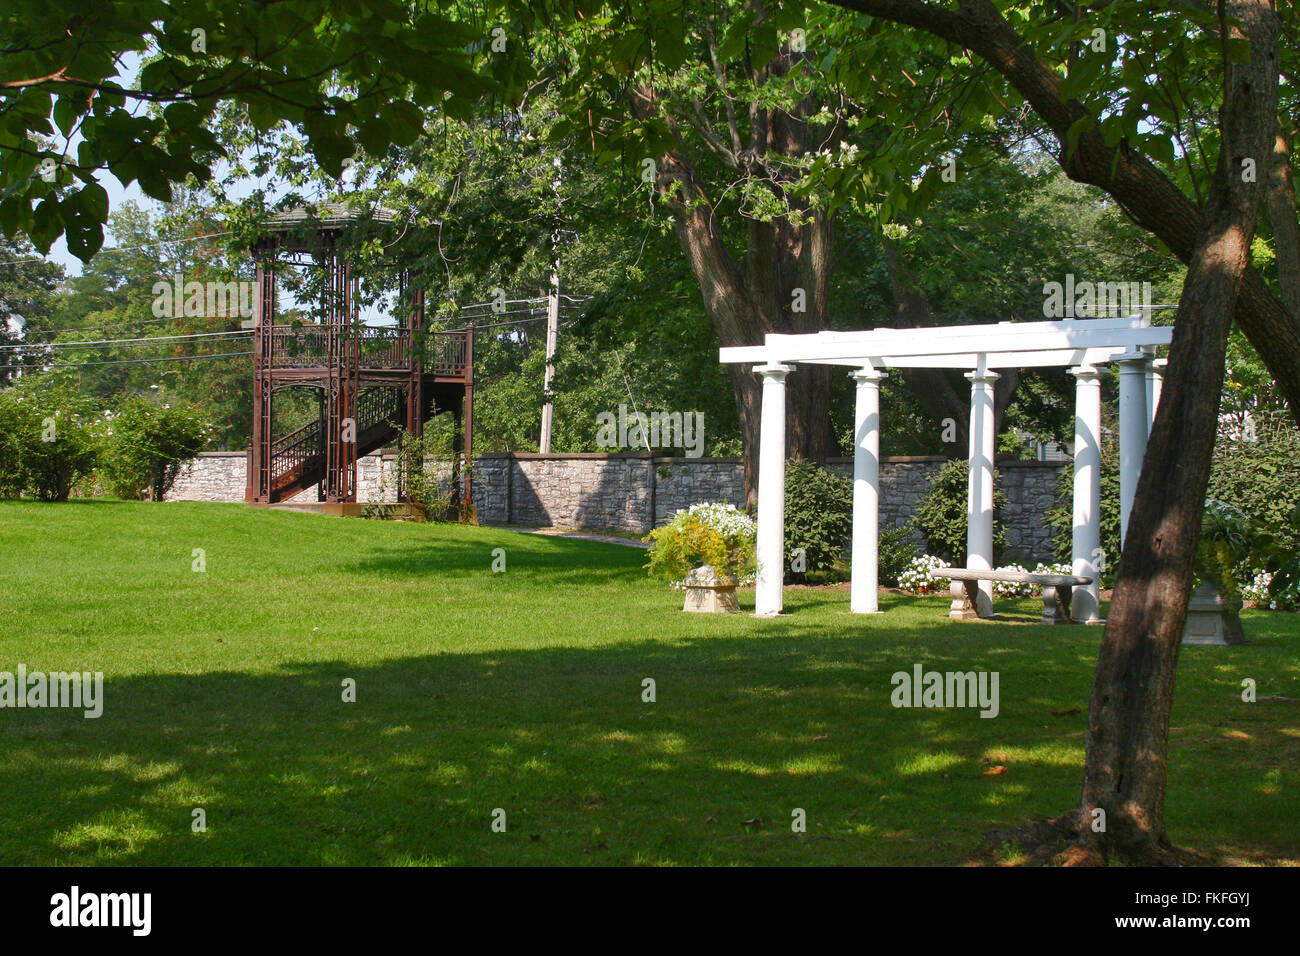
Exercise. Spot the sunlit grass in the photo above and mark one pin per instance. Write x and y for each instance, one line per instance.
(523, 691)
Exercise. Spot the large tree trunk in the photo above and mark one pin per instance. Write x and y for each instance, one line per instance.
(1128, 727)
(779, 284)
(1282, 217)
(1125, 769)
(934, 388)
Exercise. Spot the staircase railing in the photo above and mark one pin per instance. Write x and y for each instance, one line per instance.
(376, 406)
(305, 347)
(296, 450)
(384, 346)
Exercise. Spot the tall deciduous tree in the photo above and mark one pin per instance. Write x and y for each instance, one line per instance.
(1096, 121)
(1128, 728)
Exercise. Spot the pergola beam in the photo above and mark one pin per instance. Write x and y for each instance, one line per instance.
(1046, 348)
(793, 348)
(1055, 358)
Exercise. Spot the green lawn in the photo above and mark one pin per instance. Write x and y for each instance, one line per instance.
(522, 691)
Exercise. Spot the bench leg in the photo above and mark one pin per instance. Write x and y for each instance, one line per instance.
(964, 594)
(1056, 605)
(983, 603)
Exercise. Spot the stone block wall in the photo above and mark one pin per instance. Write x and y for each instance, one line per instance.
(213, 476)
(593, 491)
(1030, 487)
(221, 476)
(682, 482)
(633, 493)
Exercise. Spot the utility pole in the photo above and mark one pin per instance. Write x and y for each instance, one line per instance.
(552, 322)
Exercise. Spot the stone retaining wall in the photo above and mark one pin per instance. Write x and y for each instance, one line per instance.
(633, 492)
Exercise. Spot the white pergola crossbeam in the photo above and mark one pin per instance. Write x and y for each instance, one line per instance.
(1054, 358)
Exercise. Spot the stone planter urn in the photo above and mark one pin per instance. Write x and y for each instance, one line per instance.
(1210, 620)
(707, 592)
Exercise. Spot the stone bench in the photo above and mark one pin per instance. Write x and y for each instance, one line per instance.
(1056, 591)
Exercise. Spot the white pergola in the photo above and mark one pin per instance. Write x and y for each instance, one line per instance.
(1079, 344)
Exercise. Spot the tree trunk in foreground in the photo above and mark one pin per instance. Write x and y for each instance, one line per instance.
(1128, 724)
(1129, 714)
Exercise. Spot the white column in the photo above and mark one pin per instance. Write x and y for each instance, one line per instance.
(863, 595)
(1086, 604)
(771, 491)
(1155, 379)
(1133, 427)
(979, 498)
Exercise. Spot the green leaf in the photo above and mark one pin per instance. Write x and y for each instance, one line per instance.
(66, 112)
(764, 42)
(83, 235)
(330, 151)
(408, 122)
(154, 182)
(1077, 128)
(93, 201)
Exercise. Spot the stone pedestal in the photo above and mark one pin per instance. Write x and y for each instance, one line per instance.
(708, 593)
(1210, 620)
(965, 601)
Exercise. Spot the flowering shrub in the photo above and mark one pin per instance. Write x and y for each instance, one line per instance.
(919, 576)
(1013, 589)
(1284, 592)
(712, 533)
(148, 444)
(47, 439)
(1277, 591)
(1256, 590)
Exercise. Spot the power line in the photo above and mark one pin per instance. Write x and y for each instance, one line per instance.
(50, 351)
(122, 325)
(152, 338)
(170, 358)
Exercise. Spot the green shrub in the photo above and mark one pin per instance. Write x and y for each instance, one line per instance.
(941, 515)
(818, 519)
(424, 471)
(14, 419)
(896, 554)
(1061, 517)
(1231, 548)
(1284, 587)
(148, 443)
(48, 440)
(1261, 477)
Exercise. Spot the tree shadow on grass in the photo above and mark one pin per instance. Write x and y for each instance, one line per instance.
(743, 731)
(599, 563)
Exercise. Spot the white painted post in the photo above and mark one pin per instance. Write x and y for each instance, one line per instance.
(771, 491)
(863, 593)
(1086, 604)
(979, 499)
(1155, 379)
(1133, 429)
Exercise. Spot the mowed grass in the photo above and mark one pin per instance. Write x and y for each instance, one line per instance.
(523, 690)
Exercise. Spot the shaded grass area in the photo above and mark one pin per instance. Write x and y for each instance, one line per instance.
(523, 691)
